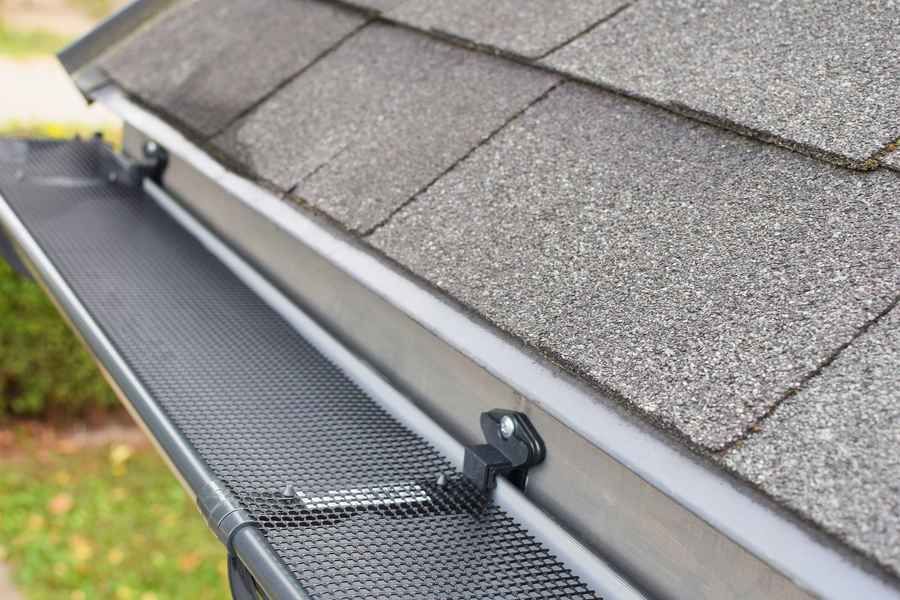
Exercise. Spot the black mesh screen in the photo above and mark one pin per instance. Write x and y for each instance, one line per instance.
(368, 514)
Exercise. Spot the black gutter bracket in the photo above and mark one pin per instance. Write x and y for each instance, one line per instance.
(513, 446)
(133, 171)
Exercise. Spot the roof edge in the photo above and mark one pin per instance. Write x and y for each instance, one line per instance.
(78, 55)
(692, 486)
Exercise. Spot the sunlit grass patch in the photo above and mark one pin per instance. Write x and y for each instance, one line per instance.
(15, 43)
(107, 522)
(54, 130)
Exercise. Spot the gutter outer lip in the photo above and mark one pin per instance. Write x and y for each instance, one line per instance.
(737, 511)
(247, 542)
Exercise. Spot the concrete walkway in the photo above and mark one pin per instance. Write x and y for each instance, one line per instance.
(39, 90)
(7, 591)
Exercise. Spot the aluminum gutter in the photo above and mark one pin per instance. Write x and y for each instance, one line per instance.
(706, 529)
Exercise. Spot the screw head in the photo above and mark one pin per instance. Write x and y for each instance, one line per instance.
(151, 149)
(507, 427)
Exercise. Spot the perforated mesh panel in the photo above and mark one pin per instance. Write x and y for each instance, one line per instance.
(368, 518)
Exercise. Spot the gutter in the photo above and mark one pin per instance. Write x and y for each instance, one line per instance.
(176, 435)
(669, 520)
(594, 571)
(217, 506)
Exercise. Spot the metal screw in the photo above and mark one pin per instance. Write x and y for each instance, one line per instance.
(441, 480)
(150, 148)
(507, 427)
(289, 491)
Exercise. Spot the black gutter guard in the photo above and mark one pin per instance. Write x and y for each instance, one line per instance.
(315, 488)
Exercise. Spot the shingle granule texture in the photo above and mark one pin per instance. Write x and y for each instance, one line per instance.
(204, 62)
(892, 160)
(819, 75)
(698, 273)
(372, 123)
(831, 451)
(528, 29)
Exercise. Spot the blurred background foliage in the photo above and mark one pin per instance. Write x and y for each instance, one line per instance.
(19, 44)
(44, 370)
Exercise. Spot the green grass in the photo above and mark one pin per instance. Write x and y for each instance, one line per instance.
(101, 523)
(49, 129)
(25, 44)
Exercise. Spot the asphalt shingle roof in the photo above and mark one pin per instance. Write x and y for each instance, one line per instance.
(718, 282)
(378, 119)
(379, 6)
(201, 61)
(698, 273)
(820, 75)
(529, 29)
(830, 452)
(892, 160)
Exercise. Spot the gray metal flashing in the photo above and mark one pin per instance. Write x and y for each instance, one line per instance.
(593, 570)
(189, 468)
(114, 28)
(692, 492)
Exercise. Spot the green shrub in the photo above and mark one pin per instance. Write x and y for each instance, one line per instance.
(44, 369)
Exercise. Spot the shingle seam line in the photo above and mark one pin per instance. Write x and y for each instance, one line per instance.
(756, 427)
(543, 96)
(321, 165)
(287, 80)
(889, 148)
(587, 30)
(763, 137)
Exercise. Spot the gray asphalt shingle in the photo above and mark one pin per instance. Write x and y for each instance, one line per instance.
(528, 28)
(892, 160)
(206, 61)
(820, 75)
(380, 6)
(379, 118)
(830, 452)
(698, 273)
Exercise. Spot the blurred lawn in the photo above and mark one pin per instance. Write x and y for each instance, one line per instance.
(107, 522)
(24, 44)
(44, 129)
